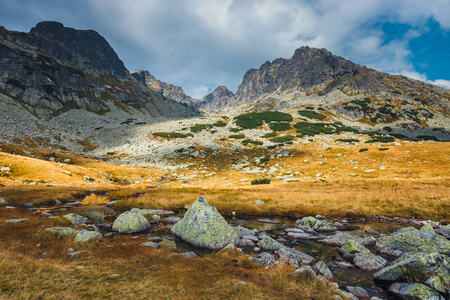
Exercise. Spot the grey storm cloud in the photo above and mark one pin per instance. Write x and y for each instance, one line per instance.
(200, 44)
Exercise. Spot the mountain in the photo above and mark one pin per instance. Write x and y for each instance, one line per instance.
(54, 69)
(61, 86)
(217, 99)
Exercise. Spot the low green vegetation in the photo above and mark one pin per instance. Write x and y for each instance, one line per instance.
(249, 141)
(220, 123)
(383, 149)
(235, 130)
(172, 135)
(381, 139)
(253, 120)
(260, 181)
(311, 115)
(348, 140)
(264, 160)
(199, 127)
(282, 139)
(309, 107)
(237, 136)
(270, 135)
(280, 126)
(363, 150)
(311, 129)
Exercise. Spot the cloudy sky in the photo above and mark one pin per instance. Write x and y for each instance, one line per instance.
(200, 44)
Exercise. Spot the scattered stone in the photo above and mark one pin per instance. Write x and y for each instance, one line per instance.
(61, 231)
(203, 226)
(240, 283)
(67, 172)
(371, 231)
(75, 219)
(410, 240)
(130, 222)
(259, 202)
(268, 221)
(246, 243)
(414, 291)
(189, 254)
(321, 268)
(156, 218)
(359, 292)
(151, 244)
(306, 272)
(15, 221)
(85, 236)
(422, 263)
(349, 295)
(293, 230)
(369, 262)
(74, 254)
(300, 257)
(265, 259)
(155, 239)
(172, 220)
(317, 225)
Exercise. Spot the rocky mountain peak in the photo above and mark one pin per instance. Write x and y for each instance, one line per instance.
(217, 99)
(86, 45)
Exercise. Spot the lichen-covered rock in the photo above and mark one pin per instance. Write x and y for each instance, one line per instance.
(265, 259)
(156, 218)
(350, 248)
(410, 240)
(418, 265)
(129, 222)
(317, 225)
(76, 219)
(339, 239)
(61, 231)
(269, 244)
(414, 291)
(3, 202)
(85, 236)
(445, 231)
(435, 283)
(300, 257)
(203, 226)
(369, 262)
(321, 268)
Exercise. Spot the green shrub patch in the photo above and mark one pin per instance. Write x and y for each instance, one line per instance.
(199, 127)
(311, 114)
(253, 120)
(282, 139)
(237, 136)
(280, 126)
(260, 181)
(249, 141)
(347, 140)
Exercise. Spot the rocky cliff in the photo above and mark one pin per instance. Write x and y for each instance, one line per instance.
(54, 69)
(217, 99)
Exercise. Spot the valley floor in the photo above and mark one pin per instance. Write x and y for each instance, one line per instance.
(408, 181)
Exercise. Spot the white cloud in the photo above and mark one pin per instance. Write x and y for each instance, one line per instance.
(213, 42)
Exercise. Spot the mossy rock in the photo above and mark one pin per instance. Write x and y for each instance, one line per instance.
(129, 222)
(269, 244)
(415, 291)
(416, 267)
(203, 226)
(317, 225)
(85, 236)
(321, 268)
(410, 240)
(435, 283)
(350, 246)
(61, 231)
(76, 219)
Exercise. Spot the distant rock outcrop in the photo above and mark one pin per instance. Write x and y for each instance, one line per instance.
(217, 99)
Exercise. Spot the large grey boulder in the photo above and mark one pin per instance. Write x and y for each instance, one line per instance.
(85, 236)
(418, 265)
(76, 219)
(203, 226)
(129, 222)
(414, 291)
(317, 225)
(410, 240)
(339, 238)
(369, 262)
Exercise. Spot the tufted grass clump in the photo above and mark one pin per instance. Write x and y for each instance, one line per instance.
(199, 127)
(172, 135)
(282, 139)
(311, 114)
(253, 120)
(249, 141)
(260, 181)
(280, 126)
(237, 136)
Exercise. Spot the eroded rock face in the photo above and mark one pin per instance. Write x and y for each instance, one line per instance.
(203, 226)
(410, 240)
(129, 222)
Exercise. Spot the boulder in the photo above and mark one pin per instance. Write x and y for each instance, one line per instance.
(339, 239)
(292, 254)
(129, 222)
(246, 243)
(414, 291)
(445, 231)
(61, 231)
(317, 225)
(76, 219)
(410, 240)
(269, 244)
(359, 292)
(321, 268)
(306, 272)
(85, 236)
(203, 226)
(369, 262)
(435, 283)
(416, 266)
(265, 259)
(350, 248)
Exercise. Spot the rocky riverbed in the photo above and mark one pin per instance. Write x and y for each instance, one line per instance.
(369, 260)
